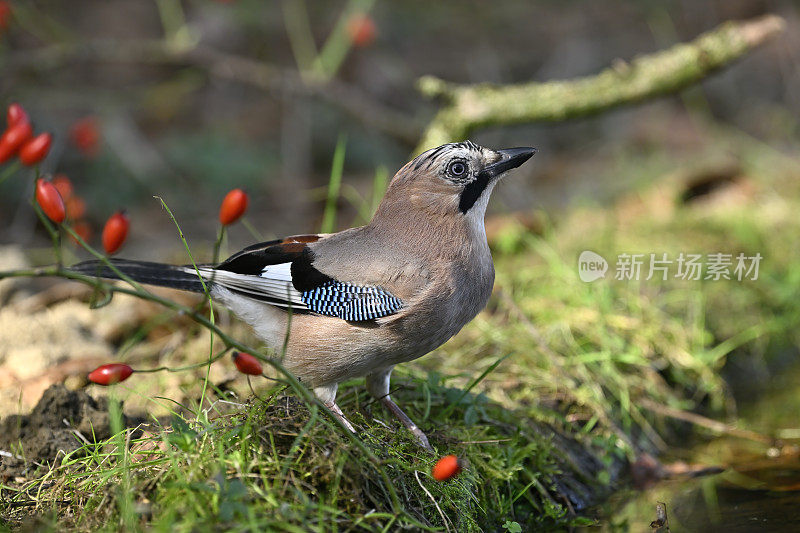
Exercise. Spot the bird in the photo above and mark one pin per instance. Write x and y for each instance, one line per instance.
(358, 302)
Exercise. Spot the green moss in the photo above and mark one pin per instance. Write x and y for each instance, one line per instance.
(562, 376)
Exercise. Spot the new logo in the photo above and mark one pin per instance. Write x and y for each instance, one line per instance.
(591, 266)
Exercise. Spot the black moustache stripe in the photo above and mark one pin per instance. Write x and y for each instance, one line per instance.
(472, 191)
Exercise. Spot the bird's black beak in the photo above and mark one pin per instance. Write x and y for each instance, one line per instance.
(510, 158)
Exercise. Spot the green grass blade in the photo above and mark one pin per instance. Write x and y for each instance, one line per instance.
(334, 185)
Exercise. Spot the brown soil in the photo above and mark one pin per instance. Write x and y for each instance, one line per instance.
(54, 427)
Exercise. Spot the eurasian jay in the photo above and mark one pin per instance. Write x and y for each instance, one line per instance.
(367, 298)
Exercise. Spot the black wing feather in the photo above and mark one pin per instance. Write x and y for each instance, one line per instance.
(319, 292)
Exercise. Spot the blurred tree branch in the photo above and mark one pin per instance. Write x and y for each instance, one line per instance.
(271, 78)
(465, 108)
(351, 99)
(469, 107)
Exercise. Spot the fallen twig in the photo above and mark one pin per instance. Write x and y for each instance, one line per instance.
(445, 521)
(700, 420)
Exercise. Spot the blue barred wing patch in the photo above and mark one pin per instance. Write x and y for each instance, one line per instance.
(351, 302)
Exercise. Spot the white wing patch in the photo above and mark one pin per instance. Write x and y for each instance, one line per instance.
(281, 271)
(274, 283)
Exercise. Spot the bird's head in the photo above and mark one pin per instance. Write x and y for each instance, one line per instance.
(454, 179)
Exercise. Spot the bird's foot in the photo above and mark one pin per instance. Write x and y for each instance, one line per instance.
(327, 394)
(340, 415)
(407, 422)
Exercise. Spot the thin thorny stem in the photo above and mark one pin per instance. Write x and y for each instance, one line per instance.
(218, 243)
(139, 292)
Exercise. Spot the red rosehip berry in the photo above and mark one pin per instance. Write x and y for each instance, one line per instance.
(362, 30)
(115, 231)
(76, 207)
(233, 206)
(247, 364)
(445, 468)
(85, 135)
(110, 374)
(64, 186)
(5, 15)
(15, 115)
(6, 152)
(50, 201)
(14, 137)
(83, 230)
(35, 149)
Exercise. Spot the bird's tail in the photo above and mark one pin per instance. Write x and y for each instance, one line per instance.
(173, 276)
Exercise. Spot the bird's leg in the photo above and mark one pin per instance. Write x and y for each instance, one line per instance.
(378, 387)
(327, 395)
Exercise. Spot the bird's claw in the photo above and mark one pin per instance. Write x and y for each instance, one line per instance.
(337, 411)
(407, 422)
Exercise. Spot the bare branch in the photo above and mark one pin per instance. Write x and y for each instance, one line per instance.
(271, 78)
(469, 107)
(351, 99)
(465, 107)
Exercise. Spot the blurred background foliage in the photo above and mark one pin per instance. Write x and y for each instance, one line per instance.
(185, 130)
(190, 99)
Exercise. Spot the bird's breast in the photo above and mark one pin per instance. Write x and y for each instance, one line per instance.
(472, 287)
(446, 306)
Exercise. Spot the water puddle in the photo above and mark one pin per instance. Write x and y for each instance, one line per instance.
(756, 487)
(759, 494)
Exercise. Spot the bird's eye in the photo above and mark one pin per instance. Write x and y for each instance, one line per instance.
(457, 169)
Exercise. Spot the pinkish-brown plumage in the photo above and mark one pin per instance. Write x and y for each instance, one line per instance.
(367, 298)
